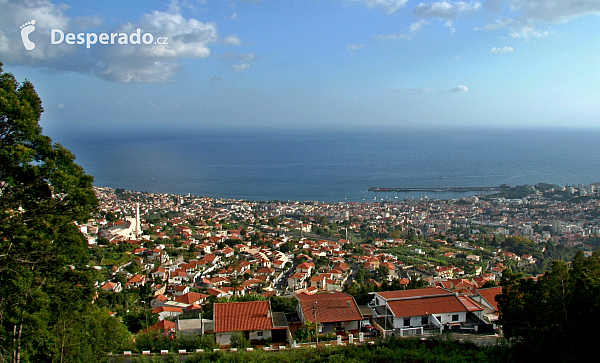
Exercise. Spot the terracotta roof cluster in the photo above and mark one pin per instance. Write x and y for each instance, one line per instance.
(331, 308)
(242, 316)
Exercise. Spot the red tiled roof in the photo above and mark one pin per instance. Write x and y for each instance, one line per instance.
(489, 295)
(242, 316)
(163, 325)
(161, 297)
(136, 278)
(215, 291)
(109, 285)
(190, 298)
(414, 293)
(469, 304)
(334, 307)
(194, 307)
(172, 309)
(426, 306)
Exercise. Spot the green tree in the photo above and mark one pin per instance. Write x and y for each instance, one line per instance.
(284, 304)
(139, 319)
(554, 318)
(46, 284)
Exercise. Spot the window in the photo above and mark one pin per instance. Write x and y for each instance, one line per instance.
(260, 334)
(455, 317)
(406, 321)
(424, 320)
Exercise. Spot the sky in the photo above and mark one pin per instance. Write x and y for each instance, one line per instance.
(308, 64)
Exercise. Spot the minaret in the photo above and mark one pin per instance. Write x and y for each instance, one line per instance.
(138, 228)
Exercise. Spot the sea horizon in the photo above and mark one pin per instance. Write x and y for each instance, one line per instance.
(335, 166)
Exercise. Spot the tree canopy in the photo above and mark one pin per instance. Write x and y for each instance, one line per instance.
(46, 284)
(554, 318)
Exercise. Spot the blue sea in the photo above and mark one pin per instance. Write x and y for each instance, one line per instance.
(335, 166)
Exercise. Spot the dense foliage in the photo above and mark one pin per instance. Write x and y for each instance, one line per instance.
(46, 286)
(554, 318)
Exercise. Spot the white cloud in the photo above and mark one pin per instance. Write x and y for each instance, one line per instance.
(47, 16)
(556, 11)
(407, 34)
(417, 91)
(187, 38)
(354, 47)
(418, 25)
(240, 67)
(450, 24)
(460, 88)
(232, 40)
(445, 9)
(233, 16)
(389, 6)
(61, 105)
(497, 24)
(396, 36)
(527, 32)
(504, 49)
(527, 15)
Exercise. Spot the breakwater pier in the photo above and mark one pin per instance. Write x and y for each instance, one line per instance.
(438, 189)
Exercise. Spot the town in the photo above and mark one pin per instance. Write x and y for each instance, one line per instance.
(270, 270)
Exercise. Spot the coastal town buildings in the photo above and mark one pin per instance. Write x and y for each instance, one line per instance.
(189, 252)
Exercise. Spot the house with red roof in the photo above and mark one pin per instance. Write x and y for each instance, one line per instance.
(254, 319)
(159, 272)
(158, 301)
(297, 281)
(112, 286)
(167, 312)
(227, 252)
(487, 299)
(305, 267)
(265, 271)
(409, 312)
(278, 264)
(162, 326)
(335, 312)
(211, 259)
(136, 281)
(216, 292)
(178, 290)
(192, 298)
